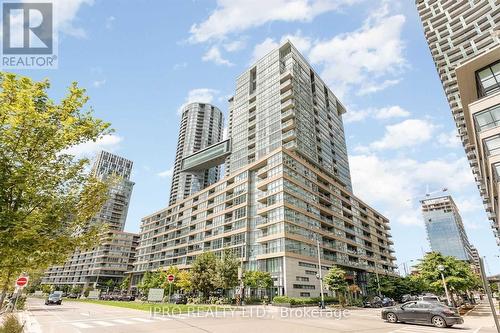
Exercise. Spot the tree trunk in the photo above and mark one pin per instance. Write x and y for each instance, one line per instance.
(5, 287)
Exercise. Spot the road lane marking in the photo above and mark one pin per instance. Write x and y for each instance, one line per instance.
(123, 321)
(142, 320)
(85, 314)
(81, 325)
(103, 323)
(162, 318)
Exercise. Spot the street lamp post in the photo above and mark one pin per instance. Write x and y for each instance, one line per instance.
(441, 269)
(320, 276)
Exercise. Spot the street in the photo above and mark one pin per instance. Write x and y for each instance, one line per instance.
(73, 317)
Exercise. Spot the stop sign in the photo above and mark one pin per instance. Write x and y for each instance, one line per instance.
(170, 278)
(22, 281)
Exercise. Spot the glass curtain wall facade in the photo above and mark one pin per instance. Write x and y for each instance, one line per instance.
(281, 101)
(445, 229)
(201, 126)
(462, 36)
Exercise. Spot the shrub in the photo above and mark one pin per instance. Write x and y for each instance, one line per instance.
(281, 299)
(21, 302)
(194, 300)
(302, 300)
(11, 325)
(252, 300)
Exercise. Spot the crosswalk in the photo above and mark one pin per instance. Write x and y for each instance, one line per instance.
(89, 323)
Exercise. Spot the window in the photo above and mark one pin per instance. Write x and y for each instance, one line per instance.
(488, 80)
(492, 145)
(487, 119)
(496, 167)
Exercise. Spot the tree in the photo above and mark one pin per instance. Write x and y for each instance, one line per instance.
(458, 274)
(336, 282)
(258, 280)
(46, 194)
(183, 281)
(227, 271)
(203, 271)
(335, 279)
(125, 284)
(394, 286)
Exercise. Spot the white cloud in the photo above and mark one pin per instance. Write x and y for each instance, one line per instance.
(262, 49)
(99, 83)
(234, 16)
(166, 174)
(234, 45)
(388, 112)
(180, 65)
(214, 55)
(408, 133)
(302, 43)
(201, 95)
(394, 111)
(110, 20)
(65, 14)
(398, 184)
(109, 142)
(450, 139)
(368, 59)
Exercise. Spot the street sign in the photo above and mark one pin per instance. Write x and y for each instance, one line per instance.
(155, 295)
(21, 282)
(94, 294)
(170, 278)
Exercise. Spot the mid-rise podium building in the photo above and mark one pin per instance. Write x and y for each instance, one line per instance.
(286, 187)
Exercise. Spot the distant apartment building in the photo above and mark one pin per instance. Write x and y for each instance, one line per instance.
(286, 187)
(463, 38)
(445, 229)
(201, 127)
(115, 253)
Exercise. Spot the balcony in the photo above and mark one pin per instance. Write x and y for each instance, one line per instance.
(286, 85)
(286, 95)
(289, 104)
(288, 125)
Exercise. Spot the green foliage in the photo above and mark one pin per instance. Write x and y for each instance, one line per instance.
(46, 288)
(226, 272)
(458, 274)
(46, 195)
(303, 300)
(77, 289)
(335, 279)
(125, 283)
(203, 271)
(394, 286)
(87, 291)
(258, 280)
(21, 302)
(11, 325)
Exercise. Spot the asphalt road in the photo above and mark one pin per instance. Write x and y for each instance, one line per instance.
(72, 317)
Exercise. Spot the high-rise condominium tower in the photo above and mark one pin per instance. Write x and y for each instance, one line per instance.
(281, 101)
(445, 229)
(460, 34)
(115, 253)
(201, 127)
(114, 212)
(287, 190)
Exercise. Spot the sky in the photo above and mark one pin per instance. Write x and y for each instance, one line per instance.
(140, 61)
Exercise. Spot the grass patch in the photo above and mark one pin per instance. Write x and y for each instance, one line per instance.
(164, 307)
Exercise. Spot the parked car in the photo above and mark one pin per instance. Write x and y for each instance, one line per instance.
(127, 298)
(54, 299)
(178, 299)
(422, 312)
(378, 302)
(430, 298)
(407, 298)
(72, 295)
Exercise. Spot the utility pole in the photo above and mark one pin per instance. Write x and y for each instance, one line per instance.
(487, 290)
(320, 275)
(378, 284)
(441, 269)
